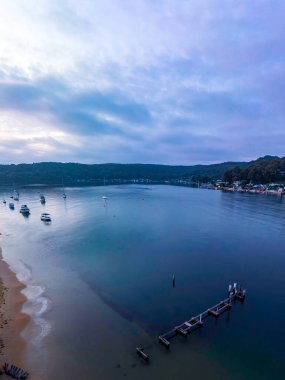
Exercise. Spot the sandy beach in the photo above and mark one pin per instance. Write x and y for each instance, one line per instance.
(12, 320)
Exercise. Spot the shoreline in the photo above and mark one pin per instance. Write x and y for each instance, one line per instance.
(12, 320)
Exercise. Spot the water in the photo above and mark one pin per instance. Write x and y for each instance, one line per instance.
(100, 281)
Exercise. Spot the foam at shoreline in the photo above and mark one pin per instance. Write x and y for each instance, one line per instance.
(14, 347)
(36, 304)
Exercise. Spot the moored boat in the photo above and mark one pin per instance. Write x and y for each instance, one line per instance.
(25, 210)
(63, 190)
(16, 195)
(11, 205)
(45, 217)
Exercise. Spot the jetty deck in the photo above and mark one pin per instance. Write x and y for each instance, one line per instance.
(196, 322)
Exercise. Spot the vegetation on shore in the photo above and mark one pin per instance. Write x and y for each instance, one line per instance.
(263, 170)
(73, 173)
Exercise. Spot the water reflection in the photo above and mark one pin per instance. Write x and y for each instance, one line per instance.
(125, 251)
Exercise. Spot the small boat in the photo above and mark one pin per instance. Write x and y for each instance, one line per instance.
(16, 195)
(24, 210)
(14, 372)
(105, 198)
(4, 201)
(11, 205)
(45, 217)
(63, 190)
(42, 199)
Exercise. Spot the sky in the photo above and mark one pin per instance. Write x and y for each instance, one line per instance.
(141, 81)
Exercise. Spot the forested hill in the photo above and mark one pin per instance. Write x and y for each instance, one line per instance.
(264, 170)
(72, 173)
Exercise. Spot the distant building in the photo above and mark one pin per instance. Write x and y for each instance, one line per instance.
(221, 183)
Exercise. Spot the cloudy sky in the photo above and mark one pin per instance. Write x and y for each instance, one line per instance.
(150, 81)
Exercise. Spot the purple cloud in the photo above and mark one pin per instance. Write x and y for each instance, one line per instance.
(167, 82)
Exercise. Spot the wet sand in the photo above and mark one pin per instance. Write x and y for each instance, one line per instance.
(12, 320)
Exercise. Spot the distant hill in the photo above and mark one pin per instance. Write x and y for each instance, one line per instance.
(73, 173)
(264, 170)
(264, 159)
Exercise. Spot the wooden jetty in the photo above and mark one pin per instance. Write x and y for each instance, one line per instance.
(234, 294)
(196, 322)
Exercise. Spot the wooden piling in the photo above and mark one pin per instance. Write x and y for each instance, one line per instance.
(181, 331)
(164, 342)
(213, 313)
(142, 354)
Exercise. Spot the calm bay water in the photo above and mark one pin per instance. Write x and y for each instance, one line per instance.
(100, 281)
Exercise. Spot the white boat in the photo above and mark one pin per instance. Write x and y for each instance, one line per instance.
(11, 205)
(63, 191)
(45, 217)
(42, 199)
(24, 210)
(16, 195)
(105, 198)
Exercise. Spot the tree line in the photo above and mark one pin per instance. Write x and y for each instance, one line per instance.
(71, 173)
(265, 170)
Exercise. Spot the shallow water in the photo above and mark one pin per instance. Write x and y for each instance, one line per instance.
(100, 281)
